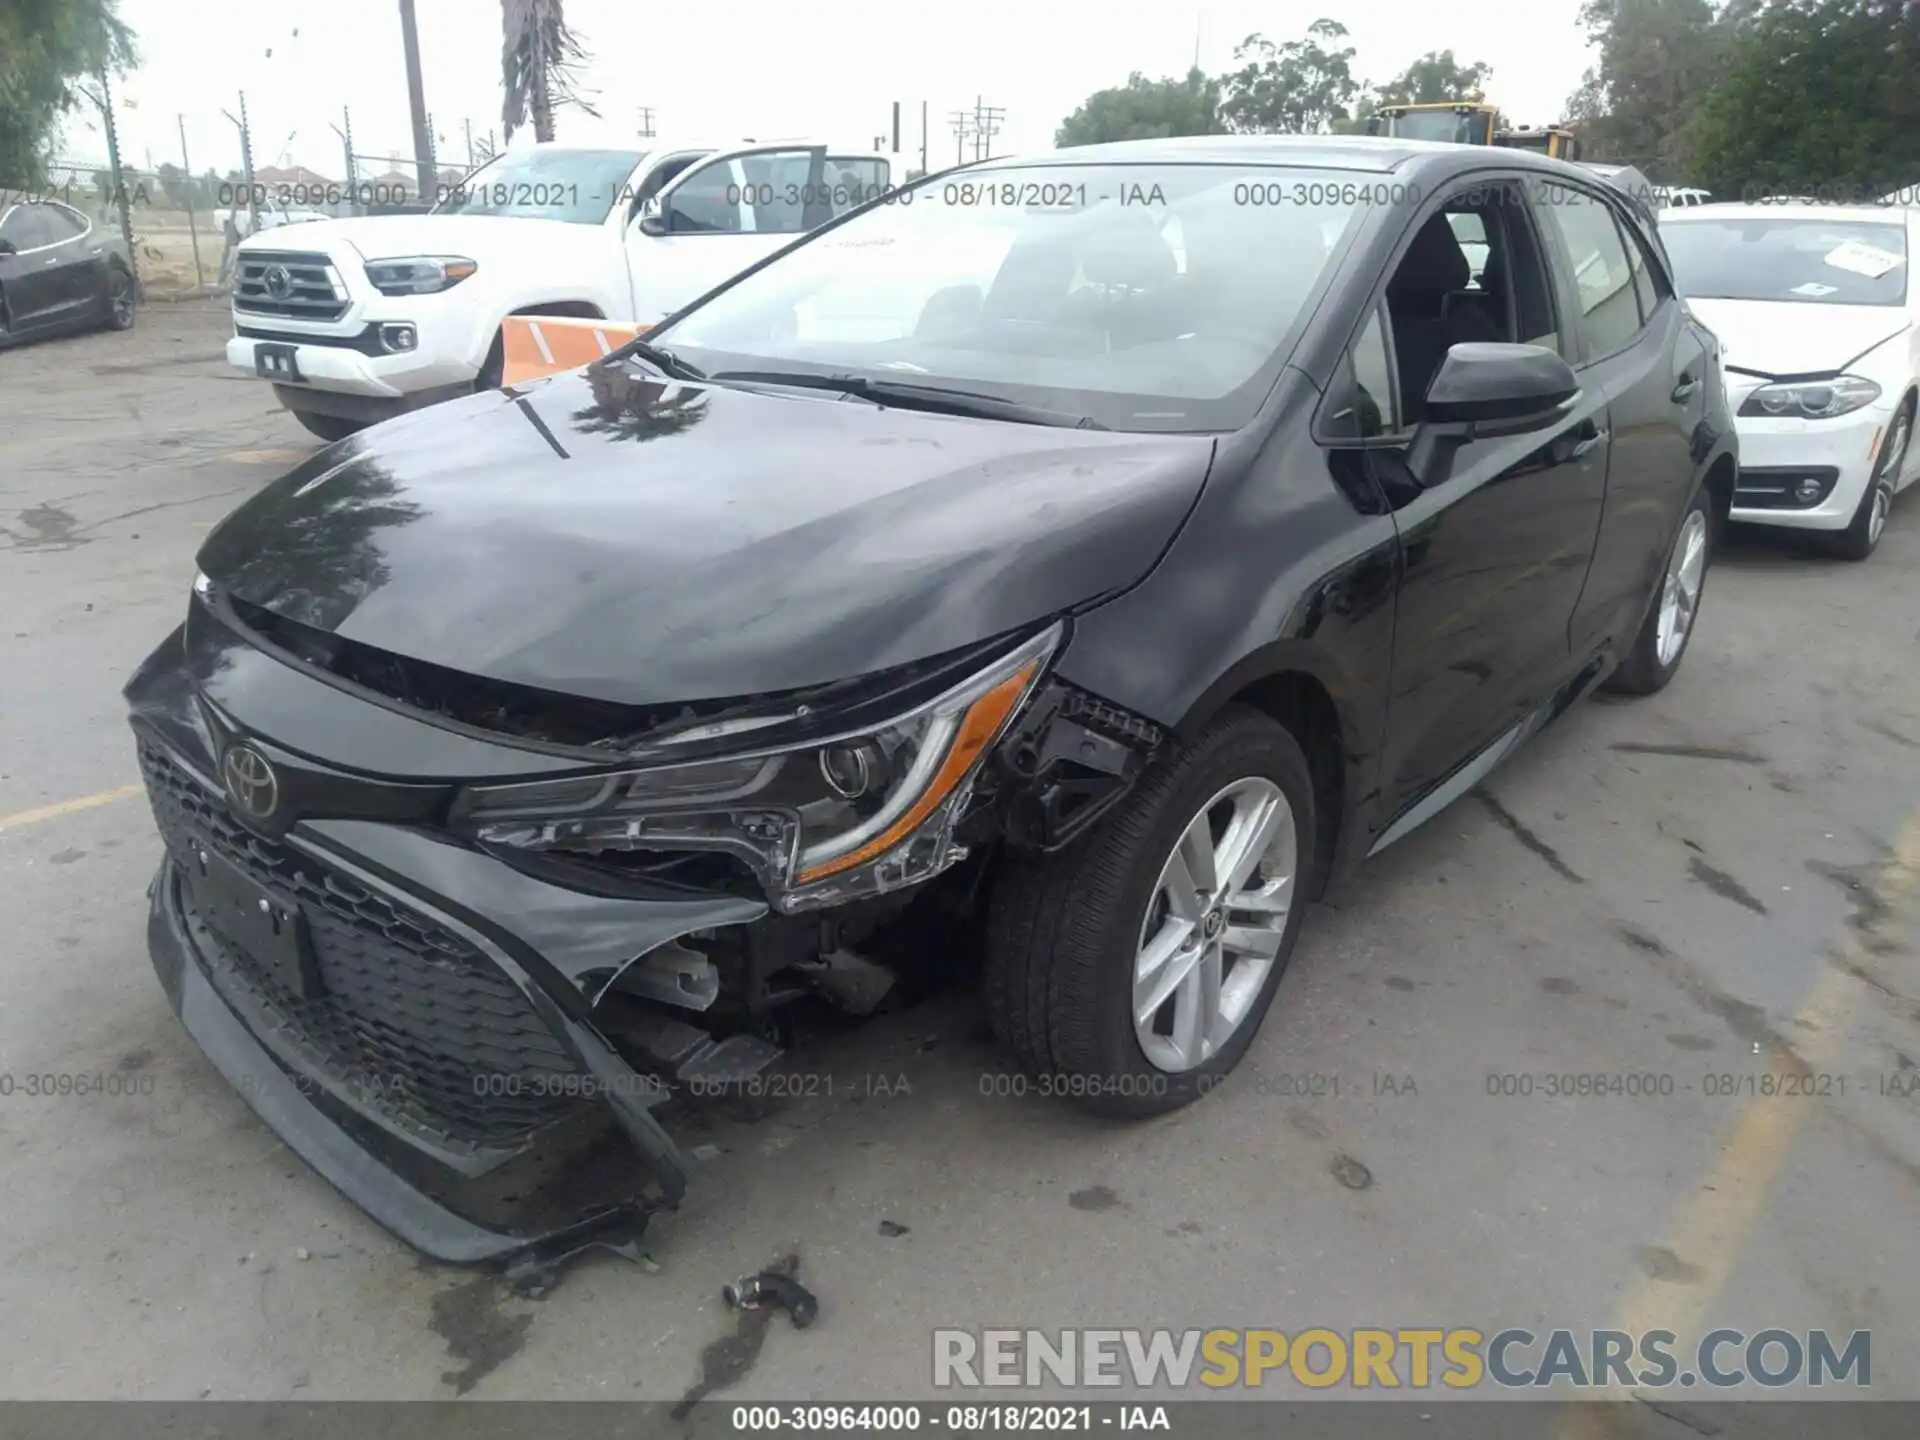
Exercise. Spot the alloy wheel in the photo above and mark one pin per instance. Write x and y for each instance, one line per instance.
(1680, 591)
(1214, 924)
(121, 299)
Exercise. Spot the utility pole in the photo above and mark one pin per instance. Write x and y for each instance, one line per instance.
(346, 146)
(417, 101)
(896, 127)
(986, 125)
(467, 125)
(113, 169)
(923, 137)
(193, 231)
(962, 124)
(645, 130)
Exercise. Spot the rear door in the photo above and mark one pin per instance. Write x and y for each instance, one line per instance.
(80, 274)
(720, 216)
(1641, 355)
(30, 278)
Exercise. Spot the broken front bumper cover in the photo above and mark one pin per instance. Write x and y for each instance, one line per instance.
(464, 1209)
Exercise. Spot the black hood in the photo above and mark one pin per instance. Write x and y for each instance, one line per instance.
(614, 535)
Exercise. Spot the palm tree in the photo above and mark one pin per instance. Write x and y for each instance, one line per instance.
(539, 65)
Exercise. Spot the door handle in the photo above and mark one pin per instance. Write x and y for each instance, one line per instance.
(1684, 390)
(1586, 445)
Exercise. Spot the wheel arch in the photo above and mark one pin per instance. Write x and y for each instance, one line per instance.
(1310, 699)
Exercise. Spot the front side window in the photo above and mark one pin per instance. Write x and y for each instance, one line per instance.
(580, 187)
(1376, 413)
(1601, 274)
(1151, 297)
(1798, 261)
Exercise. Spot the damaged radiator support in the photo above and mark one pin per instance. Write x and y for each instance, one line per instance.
(1069, 759)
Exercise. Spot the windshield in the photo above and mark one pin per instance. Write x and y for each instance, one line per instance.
(577, 186)
(1820, 262)
(1445, 125)
(1146, 297)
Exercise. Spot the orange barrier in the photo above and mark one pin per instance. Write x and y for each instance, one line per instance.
(536, 345)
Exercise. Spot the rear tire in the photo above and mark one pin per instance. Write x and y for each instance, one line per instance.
(1862, 535)
(1657, 652)
(329, 427)
(122, 300)
(1072, 937)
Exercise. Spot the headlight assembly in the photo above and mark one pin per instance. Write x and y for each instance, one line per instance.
(418, 274)
(1812, 399)
(860, 813)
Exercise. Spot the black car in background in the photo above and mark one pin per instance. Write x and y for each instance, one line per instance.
(1077, 560)
(60, 271)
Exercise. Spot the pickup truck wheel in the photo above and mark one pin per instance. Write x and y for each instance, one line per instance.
(493, 367)
(1131, 970)
(329, 427)
(1662, 642)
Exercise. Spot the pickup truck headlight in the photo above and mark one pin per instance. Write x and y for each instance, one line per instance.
(418, 274)
(858, 814)
(1812, 399)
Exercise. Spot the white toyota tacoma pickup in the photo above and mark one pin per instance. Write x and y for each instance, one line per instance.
(356, 320)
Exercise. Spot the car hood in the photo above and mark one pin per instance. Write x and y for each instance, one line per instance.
(1786, 338)
(381, 237)
(614, 535)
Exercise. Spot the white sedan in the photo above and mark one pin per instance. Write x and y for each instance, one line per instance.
(1819, 325)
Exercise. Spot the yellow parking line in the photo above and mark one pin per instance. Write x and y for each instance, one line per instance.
(1714, 1222)
(67, 807)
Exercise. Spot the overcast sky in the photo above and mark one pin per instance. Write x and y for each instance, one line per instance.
(726, 69)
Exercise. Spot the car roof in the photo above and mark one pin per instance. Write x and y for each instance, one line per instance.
(1808, 210)
(1377, 153)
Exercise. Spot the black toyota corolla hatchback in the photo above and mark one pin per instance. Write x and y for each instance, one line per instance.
(1106, 548)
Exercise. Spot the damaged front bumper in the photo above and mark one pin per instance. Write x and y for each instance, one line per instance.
(475, 1041)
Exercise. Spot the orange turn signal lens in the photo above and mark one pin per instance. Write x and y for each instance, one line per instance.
(983, 722)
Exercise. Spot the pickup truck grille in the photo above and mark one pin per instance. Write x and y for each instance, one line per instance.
(295, 284)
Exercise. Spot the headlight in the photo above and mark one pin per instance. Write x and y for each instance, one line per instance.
(860, 813)
(1812, 399)
(418, 274)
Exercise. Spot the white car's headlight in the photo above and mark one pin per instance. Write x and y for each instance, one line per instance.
(860, 813)
(1812, 399)
(418, 274)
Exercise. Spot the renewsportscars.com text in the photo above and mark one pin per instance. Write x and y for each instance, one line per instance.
(1392, 1359)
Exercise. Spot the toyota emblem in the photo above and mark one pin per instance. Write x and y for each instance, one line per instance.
(251, 783)
(277, 281)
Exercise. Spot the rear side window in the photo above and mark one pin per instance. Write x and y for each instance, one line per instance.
(1602, 276)
(1648, 284)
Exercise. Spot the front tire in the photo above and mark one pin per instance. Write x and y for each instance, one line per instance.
(1132, 970)
(329, 427)
(1662, 642)
(1862, 535)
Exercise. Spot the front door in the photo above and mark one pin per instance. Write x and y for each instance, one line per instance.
(1495, 552)
(722, 215)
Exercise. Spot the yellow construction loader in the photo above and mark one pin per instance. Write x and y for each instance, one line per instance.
(1471, 122)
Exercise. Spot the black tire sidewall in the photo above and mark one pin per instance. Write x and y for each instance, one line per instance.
(118, 281)
(1247, 745)
(1642, 673)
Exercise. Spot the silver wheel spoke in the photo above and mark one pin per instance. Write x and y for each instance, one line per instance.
(1275, 899)
(1172, 976)
(1183, 893)
(1248, 835)
(1254, 940)
(1162, 948)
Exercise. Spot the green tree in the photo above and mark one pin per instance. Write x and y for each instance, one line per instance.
(1301, 87)
(1144, 109)
(48, 49)
(540, 60)
(1818, 97)
(1433, 78)
(1658, 59)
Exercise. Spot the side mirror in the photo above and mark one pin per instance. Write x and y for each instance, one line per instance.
(1484, 391)
(7, 247)
(652, 220)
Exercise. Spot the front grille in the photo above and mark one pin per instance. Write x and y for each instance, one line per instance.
(295, 284)
(414, 1022)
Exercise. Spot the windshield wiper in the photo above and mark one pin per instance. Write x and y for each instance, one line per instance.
(935, 398)
(661, 359)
